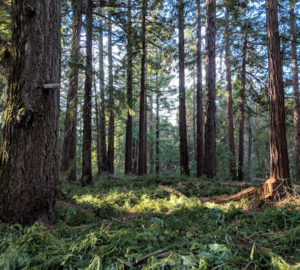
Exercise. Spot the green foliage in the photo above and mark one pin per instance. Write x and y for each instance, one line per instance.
(115, 222)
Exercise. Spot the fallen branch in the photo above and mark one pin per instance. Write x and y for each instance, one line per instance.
(142, 259)
(171, 190)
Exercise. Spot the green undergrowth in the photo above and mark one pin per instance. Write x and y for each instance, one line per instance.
(114, 222)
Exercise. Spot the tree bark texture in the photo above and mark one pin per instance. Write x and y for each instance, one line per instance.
(142, 158)
(128, 143)
(102, 129)
(199, 152)
(87, 107)
(184, 159)
(68, 161)
(111, 121)
(230, 127)
(295, 89)
(157, 131)
(210, 161)
(279, 161)
(242, 112)
(29, 154)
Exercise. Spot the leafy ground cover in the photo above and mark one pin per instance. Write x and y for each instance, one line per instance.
(118, 223)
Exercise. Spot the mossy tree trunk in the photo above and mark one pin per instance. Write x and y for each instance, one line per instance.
(29, 159)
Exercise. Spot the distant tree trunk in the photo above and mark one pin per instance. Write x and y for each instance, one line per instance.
(97, 129)
(184, 158)
(128, 143)
(29, 157)
(249, 146)
(142, 159)
(68, 161)
(210, 161)
(111, 121)
(199, 158)
(157, 167)
(295, 90)
(230, 127)
(151, 150)
(242, 112)
(279, 181)
(87, 107)
(102, 130)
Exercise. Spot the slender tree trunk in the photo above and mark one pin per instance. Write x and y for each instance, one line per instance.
(97, 129)
(68, 161)
(142, 159)
(128, 143)
(279, 161)
(184, 158)
(242, 112)
(199, 158)
(295, 90)
(87, 107)
(157, 167)
(230, 128)
(102, 130)
(111, 121)
(210, 161)
(29, 156)
(249, 146)
(151, 150)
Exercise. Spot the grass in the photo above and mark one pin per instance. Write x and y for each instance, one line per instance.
(112, 223)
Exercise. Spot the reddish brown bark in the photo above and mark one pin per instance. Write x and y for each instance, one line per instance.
(199, 157)
(29, 160)
(279, 180)
(295, 89)
(242, 112)
(210, 162)
(68, 161)
(128, 143)
(142, 159)
(87, 107)
(184, 158)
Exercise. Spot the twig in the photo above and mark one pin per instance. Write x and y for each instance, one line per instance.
(140, 260)
(220, 265)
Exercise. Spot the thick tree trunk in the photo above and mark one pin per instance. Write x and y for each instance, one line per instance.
(295, 89)
(279, 181)
(111, 121)
(68, 161)
(184, 158)
(230, 127)
(199, 153)
(87, 107)
(128, 143)
(210, 162)
(29, 160)
(142, 159)
(242, 112)
(102, 129)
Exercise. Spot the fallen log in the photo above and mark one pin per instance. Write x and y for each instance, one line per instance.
(171, 190)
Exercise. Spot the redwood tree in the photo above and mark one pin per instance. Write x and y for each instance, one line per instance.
(29, 160)
(87, 107)
(210, 162)
(279, 162)
(184, 159)
(68, 161)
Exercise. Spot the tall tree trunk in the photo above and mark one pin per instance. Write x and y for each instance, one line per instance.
(29, 160)
(279, 160)
(111, 121)
(184, 158)
(142, 159)
(151, 150)
(230, 128)
(249, 146)
(97, 128)
(157, 167)
(295, 90)
(68, 161)
(102, 130)
(199, 158)
(87, 107)
(210, 160)
(128, 143)
(242, 112)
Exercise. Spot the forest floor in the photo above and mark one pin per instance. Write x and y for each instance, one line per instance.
(136, 223)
